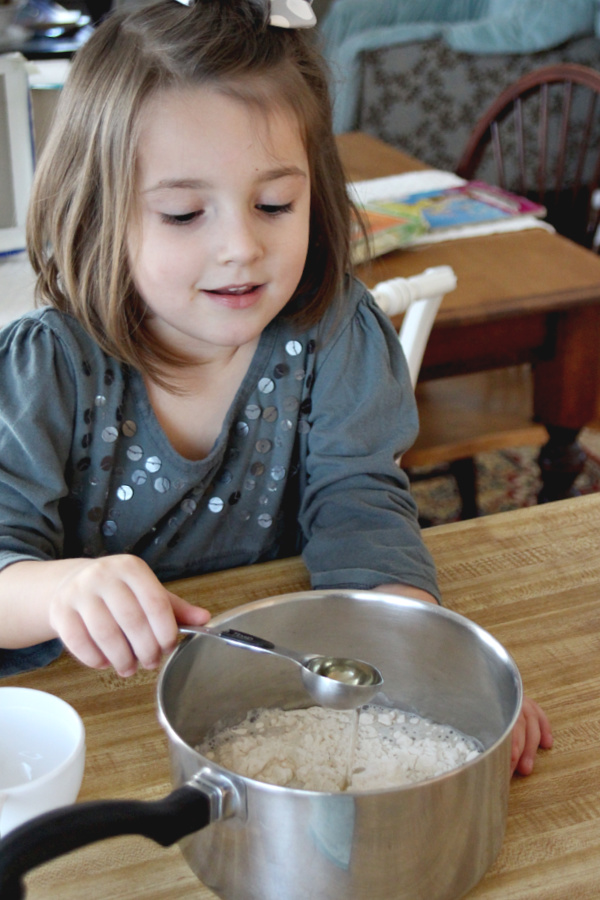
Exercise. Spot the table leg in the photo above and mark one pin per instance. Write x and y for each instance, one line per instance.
(561, 460)
(566, 385)
(465, 474)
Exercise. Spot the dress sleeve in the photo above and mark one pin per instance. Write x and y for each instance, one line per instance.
(357, 514)
(36, 428)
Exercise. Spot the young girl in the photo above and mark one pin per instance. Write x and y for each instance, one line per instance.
(206, 387)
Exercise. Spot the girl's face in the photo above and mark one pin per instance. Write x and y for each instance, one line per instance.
(219, 236)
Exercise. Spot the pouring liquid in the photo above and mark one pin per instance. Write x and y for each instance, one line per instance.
(355, 716)
(347, 675)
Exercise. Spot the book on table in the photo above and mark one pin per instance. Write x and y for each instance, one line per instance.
(384, 231)
(396, 222)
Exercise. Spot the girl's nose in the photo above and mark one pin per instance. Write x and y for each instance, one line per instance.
(238, 240)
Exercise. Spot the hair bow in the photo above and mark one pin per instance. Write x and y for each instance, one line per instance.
(285, 13)
(292, 14)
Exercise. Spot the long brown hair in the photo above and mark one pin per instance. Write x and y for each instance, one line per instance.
(84, 188)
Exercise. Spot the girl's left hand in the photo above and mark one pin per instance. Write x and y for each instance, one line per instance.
(531, 731)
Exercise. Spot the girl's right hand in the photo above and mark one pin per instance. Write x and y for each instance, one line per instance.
(113, 611)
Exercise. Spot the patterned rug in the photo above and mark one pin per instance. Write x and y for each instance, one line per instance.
(507, 479)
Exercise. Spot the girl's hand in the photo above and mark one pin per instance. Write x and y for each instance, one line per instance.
(531, 731)
(114, 611)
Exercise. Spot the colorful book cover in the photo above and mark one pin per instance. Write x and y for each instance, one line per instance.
(385, 232)
(468, 204)
(398, 222)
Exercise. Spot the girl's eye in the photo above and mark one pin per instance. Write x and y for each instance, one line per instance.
(271, 210)
(183, 219)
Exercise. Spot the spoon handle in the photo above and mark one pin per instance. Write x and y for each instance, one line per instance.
(249, 641)
(242, 637)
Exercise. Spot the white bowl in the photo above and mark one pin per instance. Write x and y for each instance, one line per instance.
(42, 755)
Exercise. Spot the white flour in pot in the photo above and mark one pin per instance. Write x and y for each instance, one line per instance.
(321, 749)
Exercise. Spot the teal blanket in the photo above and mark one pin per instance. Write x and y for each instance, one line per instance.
(352, 27)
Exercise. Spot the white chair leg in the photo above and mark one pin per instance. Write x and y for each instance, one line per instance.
(419, 298)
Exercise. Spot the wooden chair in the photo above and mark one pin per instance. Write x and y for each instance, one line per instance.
(465, 415)
(459, 416)
(541, 139)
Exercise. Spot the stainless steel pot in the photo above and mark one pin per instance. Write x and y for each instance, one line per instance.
(429, 841)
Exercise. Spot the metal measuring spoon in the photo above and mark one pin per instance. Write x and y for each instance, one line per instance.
(335, 682)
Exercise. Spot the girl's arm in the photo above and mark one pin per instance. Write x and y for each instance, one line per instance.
(407, 590)
(357, 513)
(111, 611)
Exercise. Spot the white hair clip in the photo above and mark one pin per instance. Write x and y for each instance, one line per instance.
(285, 13)
(292, 14)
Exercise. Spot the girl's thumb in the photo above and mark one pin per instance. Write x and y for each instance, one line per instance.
(188, 614)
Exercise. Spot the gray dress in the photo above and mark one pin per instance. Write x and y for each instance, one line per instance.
(304, 461)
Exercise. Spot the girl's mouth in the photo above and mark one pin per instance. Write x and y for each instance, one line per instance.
(236, 296)
(235, 289)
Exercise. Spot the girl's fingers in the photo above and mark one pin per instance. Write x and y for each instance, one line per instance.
(148, 620)
(530, 744)
(130, 618)
(107, 626)
(531, 731)
(547, 738)
(154, 604)
(518, 742)
(138, 634)
(143, 623)
(108, 646)
(77, 640)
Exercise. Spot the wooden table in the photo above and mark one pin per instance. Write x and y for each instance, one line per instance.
(531, 577)
(528, 296)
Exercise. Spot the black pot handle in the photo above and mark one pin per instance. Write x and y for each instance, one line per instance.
(52, 834)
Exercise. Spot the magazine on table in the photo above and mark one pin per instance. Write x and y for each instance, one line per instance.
(385, 231)
(398, 221)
